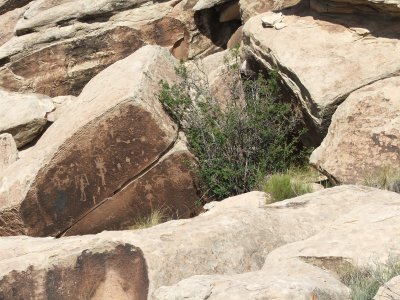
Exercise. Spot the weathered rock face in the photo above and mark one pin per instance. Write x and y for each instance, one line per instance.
(308, 268)
(250, 230)
(115, 137)
(9, 5)
(23, 115)
(390, 290)
(364, 134)
(8, 151)
(91, 268)
(58, 46)
(168, 186)
(301, 281)
(319, 61)
(250, 8)
(356, 6)
(296, 244)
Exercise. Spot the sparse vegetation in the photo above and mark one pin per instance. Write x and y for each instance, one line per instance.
(387, 178)
(295, 182)
(253, 134)
(156, 217)
(364, 282)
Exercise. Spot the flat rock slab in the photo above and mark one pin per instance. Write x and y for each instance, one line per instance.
(236, 236)
(364, 136)
(307, 269)
(23, 115)
(323, 60)
(117, 133)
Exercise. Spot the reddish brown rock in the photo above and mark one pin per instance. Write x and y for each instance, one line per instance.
(116, 134)
(92, 268)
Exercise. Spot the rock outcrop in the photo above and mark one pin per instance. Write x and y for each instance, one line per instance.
(55, 48)
(114, 140)
(363, 138)
(242, 234)
(318, 58)
(23, 115)
(308, 268)
(88, 268)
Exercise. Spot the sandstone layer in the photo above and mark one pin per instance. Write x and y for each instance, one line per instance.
(318, 58)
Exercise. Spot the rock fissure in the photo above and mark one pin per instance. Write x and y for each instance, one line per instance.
(127, 183)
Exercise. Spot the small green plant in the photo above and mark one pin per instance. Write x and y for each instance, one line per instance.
(156, 217)
(286, 186)
(365, 281)
(253, 133)
(386, 178)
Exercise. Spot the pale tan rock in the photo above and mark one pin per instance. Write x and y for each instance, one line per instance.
(204, 4)
(116, 134)
(62, 105)
(250, 230)
(390, 7)
(296, 280)
(250, 8)
(363, 137)
(364, 233)
(23, 115)
(390, 290)
(335, 68)
(8, 21)
(84, 268)
(8, 151)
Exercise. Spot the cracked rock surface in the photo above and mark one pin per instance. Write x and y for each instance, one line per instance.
(113, 140)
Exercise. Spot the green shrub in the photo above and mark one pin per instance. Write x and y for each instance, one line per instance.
(286, 186)
(253, 134)
(365, 281)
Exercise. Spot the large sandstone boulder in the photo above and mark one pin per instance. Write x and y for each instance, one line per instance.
(322, 60)
(84, 268)
(23, 115)
(114, 139)
(363, 138)
(309, 268)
